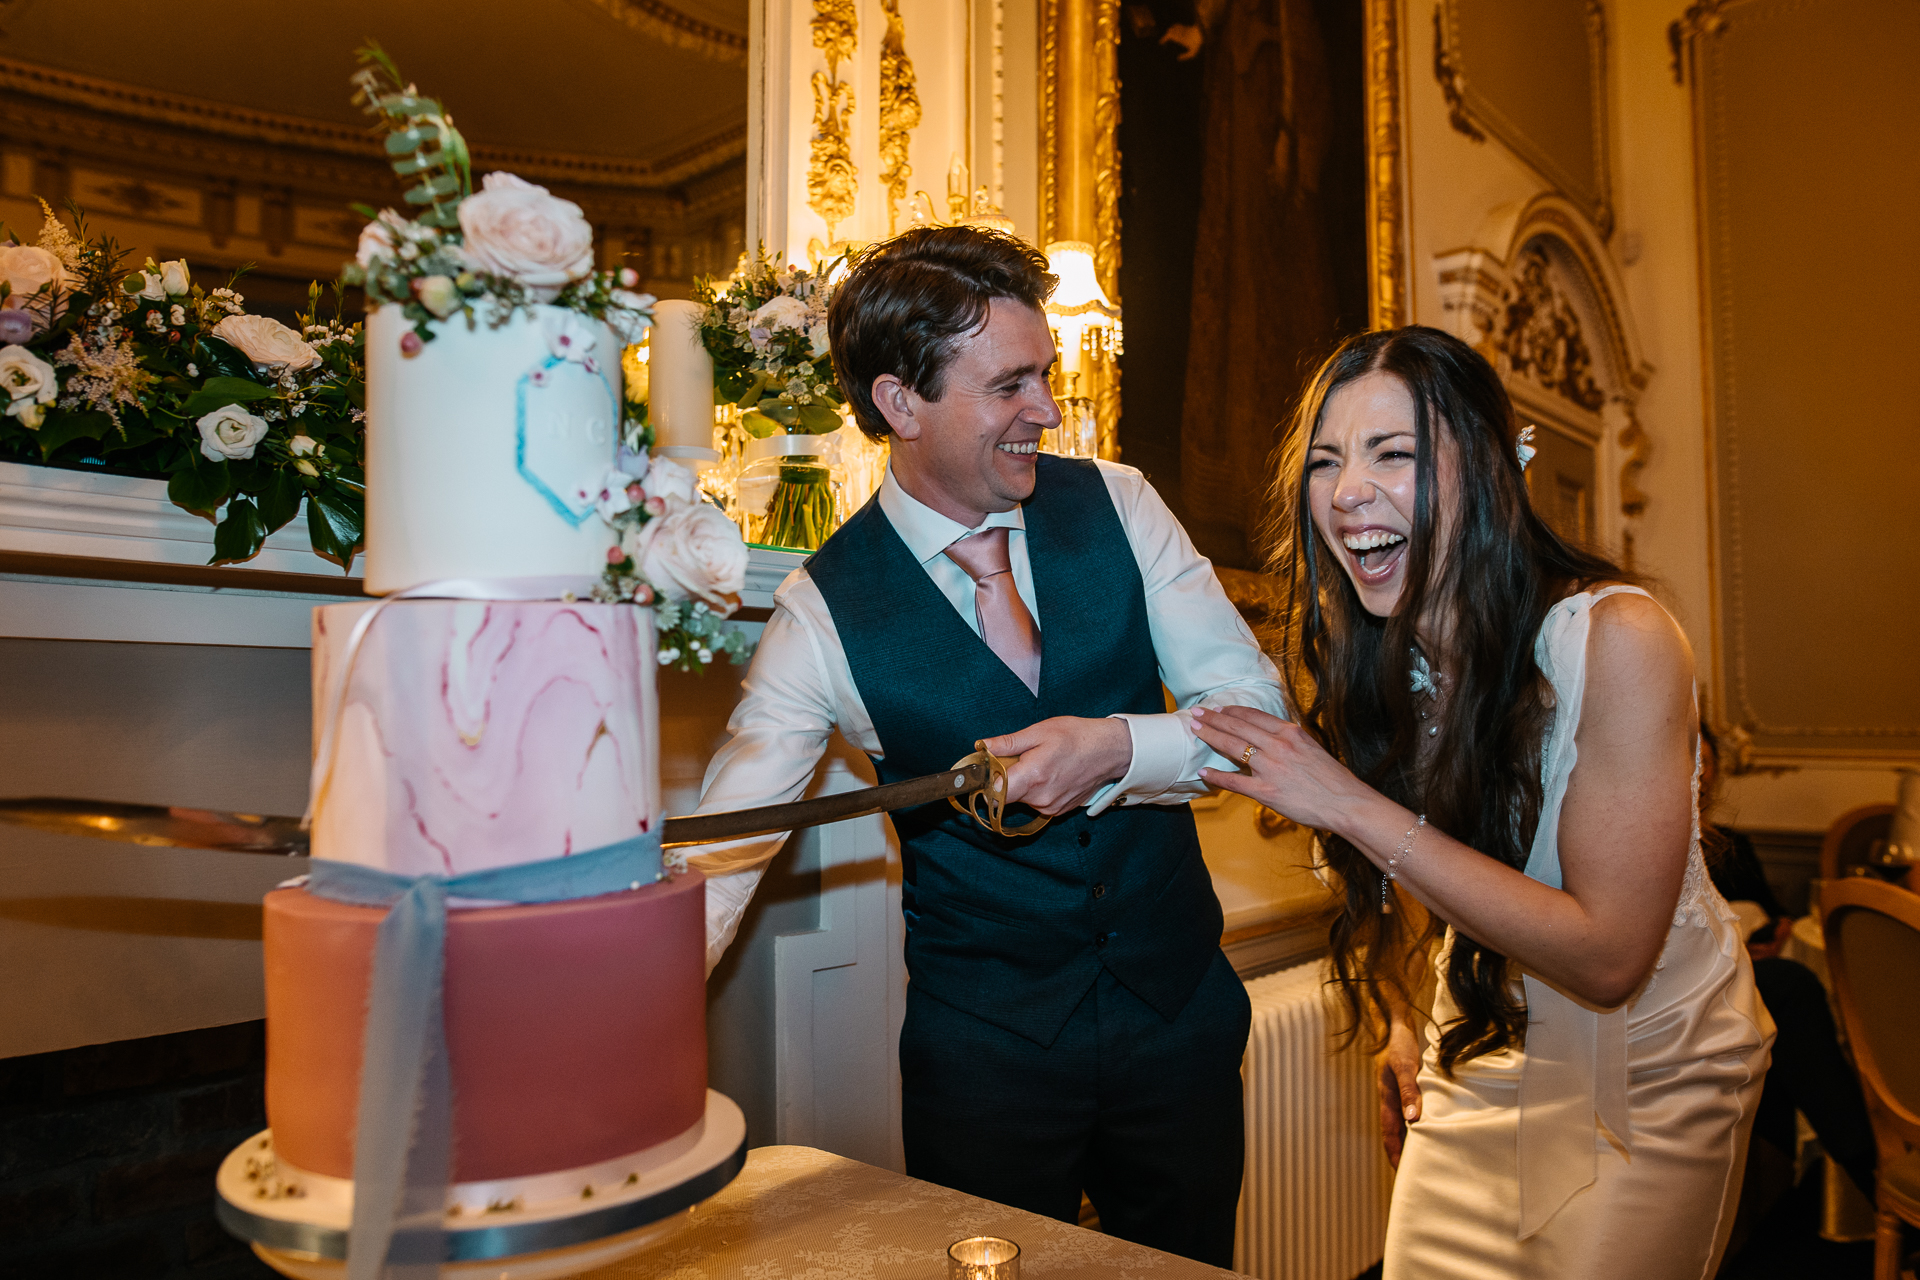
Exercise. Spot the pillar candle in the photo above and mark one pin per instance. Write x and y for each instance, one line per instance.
(680, 378)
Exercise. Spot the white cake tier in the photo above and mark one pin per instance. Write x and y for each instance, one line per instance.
(485, 734)
(486, 451)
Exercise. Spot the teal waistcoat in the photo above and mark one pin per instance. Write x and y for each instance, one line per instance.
(1015, 930)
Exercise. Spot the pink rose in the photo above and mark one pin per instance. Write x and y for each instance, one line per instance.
(521, 231)
(29, 269)
(693, 551)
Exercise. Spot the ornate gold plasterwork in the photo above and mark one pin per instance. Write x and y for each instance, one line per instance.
(1638, 446)
(899, 110)
(670, 26)
(833, 181)
(1540, 335)
(294, 140)
(1448, 74)
(1387, 305)
(1080, 165)
(1703, 17)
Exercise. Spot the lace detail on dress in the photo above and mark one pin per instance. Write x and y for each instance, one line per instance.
(1697, 894)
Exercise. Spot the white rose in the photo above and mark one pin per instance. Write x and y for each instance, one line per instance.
(173, 277)
(782, 312)
(266, 341)
(28, 269)
(28, 380)
(230, 432)
(376, 241)
(301, 446)
(670, 482)
(817, 335)
(693, 550)
(147, 285)
(521, 231)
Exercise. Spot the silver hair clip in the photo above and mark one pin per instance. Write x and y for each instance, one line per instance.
(1523, 446)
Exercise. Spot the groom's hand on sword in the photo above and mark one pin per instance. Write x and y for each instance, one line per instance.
(1063, 761)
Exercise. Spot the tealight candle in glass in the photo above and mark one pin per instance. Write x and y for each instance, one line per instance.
(983, 1258)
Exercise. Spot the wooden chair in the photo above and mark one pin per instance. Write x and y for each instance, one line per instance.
(1851, 837)
(1873, 954)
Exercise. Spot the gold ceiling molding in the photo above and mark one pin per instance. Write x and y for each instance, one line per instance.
(670, 26)
(204, 117)
(899, 110)
(1448, 74)
(833, 181)
(1704, 17)
(1387, 305)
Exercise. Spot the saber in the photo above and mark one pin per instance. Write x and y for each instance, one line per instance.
(176, 827)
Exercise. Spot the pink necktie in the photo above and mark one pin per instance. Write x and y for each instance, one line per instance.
(1005, 624)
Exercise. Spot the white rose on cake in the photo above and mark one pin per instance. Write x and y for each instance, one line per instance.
(30, 383)
(668, 484)
(515, 229)
(230, 432)
(266, 341)
(692, 551)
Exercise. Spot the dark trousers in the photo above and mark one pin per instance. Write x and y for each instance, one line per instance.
(1809, 1074)
(1142, 1114)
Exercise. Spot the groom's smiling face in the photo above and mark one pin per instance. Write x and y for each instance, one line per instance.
(972, 451)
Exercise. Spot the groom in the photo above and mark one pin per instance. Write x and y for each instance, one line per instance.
(1071, 1022)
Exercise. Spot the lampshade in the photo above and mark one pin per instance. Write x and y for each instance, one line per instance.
(1079, 292)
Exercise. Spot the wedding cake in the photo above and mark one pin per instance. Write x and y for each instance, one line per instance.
(490, 718)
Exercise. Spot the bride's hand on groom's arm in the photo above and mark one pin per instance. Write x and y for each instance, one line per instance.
(1289, 772)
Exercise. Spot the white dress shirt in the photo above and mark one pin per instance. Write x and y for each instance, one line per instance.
(799, 687)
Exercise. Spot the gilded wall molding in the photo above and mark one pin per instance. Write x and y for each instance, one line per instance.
(1387, 304)
(1778, 639)
(1080, 162)
(833, 181)
(899, 111)
(1474, 114)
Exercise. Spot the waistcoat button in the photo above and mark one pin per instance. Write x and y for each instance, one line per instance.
(1099, 891)
(1086, 838)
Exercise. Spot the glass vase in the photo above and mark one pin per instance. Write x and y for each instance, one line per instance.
(789, 491)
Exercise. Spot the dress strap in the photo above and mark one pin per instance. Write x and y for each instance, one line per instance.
(1574, 1075)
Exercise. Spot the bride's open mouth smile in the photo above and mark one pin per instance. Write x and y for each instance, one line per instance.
(1374, 554)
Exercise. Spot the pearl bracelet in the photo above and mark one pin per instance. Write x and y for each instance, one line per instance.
(1404, 848)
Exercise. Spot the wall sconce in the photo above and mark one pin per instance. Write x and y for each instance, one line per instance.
(1086, 329)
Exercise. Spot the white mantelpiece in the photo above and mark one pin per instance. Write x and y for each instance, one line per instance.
(96, 521)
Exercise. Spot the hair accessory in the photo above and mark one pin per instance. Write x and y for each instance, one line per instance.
(1523, 446)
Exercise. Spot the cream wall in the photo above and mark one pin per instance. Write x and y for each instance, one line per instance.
(1454, 183)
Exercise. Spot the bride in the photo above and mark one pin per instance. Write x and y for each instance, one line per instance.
(1499, 727)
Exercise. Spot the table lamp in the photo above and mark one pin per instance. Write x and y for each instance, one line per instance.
(1086, 329)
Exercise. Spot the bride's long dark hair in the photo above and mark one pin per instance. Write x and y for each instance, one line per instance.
(1349, 672)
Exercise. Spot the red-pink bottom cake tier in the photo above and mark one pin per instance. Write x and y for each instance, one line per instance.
(576, 1030)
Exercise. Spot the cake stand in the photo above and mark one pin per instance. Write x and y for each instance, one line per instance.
(539, 1228)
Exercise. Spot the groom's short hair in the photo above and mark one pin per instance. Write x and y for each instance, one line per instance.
(908, 301)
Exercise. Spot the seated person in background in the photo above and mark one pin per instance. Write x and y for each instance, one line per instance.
(1809, 1073)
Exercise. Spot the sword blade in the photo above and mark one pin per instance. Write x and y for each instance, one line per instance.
(176, 827)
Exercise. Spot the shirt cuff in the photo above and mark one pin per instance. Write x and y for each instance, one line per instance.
(1162, 744)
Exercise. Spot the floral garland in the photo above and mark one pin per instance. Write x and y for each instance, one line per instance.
(246, 418)
(767, 333)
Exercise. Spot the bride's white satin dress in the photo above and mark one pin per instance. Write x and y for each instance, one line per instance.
(1612, 1146)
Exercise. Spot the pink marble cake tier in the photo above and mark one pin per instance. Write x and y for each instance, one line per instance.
(480, 734)
(576, 1031)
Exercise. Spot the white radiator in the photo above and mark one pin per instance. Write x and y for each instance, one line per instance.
(1313, 1205)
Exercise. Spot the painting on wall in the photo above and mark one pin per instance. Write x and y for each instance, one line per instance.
(1243, 233)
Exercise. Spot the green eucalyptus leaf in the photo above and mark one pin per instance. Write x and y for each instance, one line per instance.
(200, 486)
(759, 425)
(239, 535)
